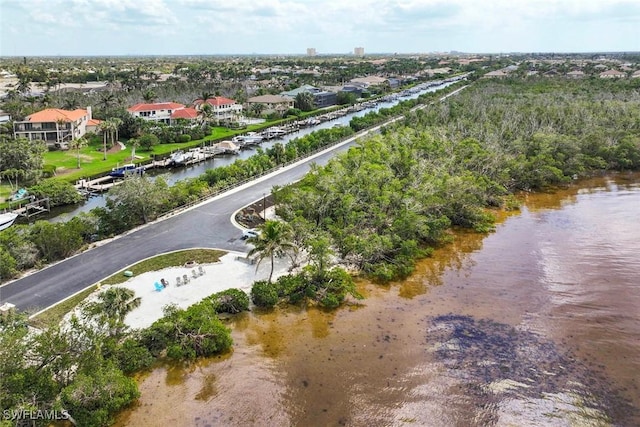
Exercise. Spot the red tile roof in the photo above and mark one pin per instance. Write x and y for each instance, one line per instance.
(94, 122)
(55, 114)
(185, 113)
(156, 106)
(216, 101)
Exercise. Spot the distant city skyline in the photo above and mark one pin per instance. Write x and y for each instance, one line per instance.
(221, 27)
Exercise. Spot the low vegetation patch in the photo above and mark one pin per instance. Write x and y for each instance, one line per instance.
(327, 290)
(173, 259)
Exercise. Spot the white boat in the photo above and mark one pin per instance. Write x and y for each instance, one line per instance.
(126, 170)
(227, 147)
(7, 219)
(180, 157)
(274, 132)
(250, 138)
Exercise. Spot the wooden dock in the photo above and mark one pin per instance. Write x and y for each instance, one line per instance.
(34, 207)
(98, 185)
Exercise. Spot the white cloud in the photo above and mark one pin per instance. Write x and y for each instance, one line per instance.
(286, 26)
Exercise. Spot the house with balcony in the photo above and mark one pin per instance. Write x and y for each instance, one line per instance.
(159, 112)
(321, 98)
(221, 108)
(54, 126)
(187, 114)
(272, 103)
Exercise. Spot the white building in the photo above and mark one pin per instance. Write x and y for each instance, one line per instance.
(311, 51)
(156, 112)
(358, 51)
(221, 108)
(54, 126)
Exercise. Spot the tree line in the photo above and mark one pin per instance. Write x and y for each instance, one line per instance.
(84, 365)
(515, 135)
(393, 197)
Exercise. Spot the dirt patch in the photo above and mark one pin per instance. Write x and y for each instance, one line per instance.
(251, 216)
(115, 148)
(61, 171)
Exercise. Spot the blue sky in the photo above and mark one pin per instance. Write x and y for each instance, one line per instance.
(170, 27)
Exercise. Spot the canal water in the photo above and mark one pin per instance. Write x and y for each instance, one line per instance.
(536, 324)
(64, 213)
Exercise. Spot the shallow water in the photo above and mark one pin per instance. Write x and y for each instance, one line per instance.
(536, 324)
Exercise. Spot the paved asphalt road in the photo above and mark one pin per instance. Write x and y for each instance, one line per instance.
(205, 226)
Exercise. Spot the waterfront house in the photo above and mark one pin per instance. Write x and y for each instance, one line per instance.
(157, 112)
(55, 126)
(321, 98)
(221, 108)
(370, 81)
(189, 114)
(272, 103)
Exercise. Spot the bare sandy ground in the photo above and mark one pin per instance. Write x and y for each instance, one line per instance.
(229, 272)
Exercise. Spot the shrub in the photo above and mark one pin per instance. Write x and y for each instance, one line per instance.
(185, 137)
(7, 265)
(59, 192)
(230, 301)
(131, 356)
(48, 171)
(293, 287)
(94, 398)
(187, 334)
(147, 141)
(264, 294)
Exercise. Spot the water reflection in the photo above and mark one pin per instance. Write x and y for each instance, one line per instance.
(65, 213)
(545, 331)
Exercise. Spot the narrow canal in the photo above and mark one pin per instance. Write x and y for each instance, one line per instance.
(536, 324)
(64, 213)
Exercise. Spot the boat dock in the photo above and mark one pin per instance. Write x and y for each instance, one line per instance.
(89, 187)
(34, 207)
(98, 185)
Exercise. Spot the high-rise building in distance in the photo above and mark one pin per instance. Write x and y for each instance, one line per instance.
(311, 51)
(358, 51)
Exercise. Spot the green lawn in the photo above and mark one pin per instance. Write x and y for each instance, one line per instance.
(92, 161)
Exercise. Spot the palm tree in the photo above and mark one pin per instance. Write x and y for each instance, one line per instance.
(71, 102)
(206, 95)
(205, 113)
(273, 241)
(257, 108)
(104, 128)
(149, 96)
(77, 144)
(134, 144)
(117, 122)
(106, 100)
(60, 122)
(23, 86)
(304, 101)
(112, 307)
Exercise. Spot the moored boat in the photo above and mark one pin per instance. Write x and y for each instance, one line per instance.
(227, 147)
(7, 220)
(248, 139)
(126, 170)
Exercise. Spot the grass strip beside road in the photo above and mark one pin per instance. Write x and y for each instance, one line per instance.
(54, 314)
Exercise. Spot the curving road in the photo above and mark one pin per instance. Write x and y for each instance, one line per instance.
(207, 225)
